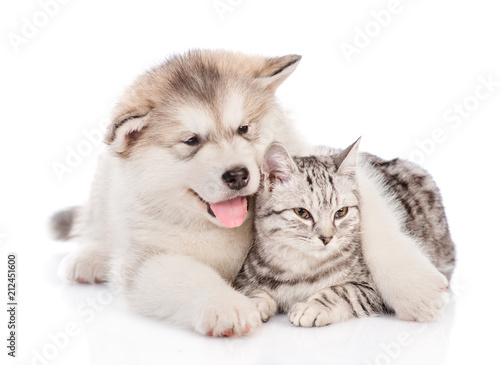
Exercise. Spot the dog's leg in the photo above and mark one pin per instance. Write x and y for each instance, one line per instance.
(89, 226)
(406, 279)
(90, 262)
(87, 265)
(191, 294)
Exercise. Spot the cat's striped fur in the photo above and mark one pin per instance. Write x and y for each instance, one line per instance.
(311, 266)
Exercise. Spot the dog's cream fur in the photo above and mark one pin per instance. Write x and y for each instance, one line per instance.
(147, 227)
(404, 275)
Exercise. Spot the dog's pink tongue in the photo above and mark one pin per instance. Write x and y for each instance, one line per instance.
(232, 212)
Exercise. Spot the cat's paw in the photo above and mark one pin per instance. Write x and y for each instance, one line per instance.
(422, 297)
(84, 266)
(310, 314)
(235, 316)
(265, 304)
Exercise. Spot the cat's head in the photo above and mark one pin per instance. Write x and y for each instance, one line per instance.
(313, 200)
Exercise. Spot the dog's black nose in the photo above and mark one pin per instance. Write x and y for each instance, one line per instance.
(236, 178)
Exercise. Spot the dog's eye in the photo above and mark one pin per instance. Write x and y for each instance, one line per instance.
(243, 129)
(193, 141)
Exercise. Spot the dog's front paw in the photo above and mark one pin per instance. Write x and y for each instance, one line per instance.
(422, 297)
(310, 314)
(84, 266)
(235, 316)
(265, 304)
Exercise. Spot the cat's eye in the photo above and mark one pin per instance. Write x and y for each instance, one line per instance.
(302, 213)
(193, 141)
(243, 129)
(341, 212)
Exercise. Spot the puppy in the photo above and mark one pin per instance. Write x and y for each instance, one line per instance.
(169, 219)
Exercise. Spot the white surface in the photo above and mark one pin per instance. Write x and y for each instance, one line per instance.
(395, 92)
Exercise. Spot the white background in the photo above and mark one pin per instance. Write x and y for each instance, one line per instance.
(398, 91)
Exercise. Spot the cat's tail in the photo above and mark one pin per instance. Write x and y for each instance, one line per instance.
(61, 224)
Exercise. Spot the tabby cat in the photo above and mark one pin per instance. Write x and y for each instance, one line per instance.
(307, 258)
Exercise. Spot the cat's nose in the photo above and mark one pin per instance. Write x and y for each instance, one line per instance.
(325, 240)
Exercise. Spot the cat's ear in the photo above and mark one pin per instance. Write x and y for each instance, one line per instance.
(348, 159)
(278, 165)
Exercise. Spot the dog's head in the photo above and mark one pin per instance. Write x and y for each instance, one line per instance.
(194, 130)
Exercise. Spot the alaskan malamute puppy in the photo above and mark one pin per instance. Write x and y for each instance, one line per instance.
(169, 219)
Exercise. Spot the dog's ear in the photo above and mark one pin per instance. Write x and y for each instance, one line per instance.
(276, 70)
(277, 167)
(128, 124)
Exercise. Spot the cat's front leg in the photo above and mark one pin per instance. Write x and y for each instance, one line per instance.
(336, 304)
(266, 305)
